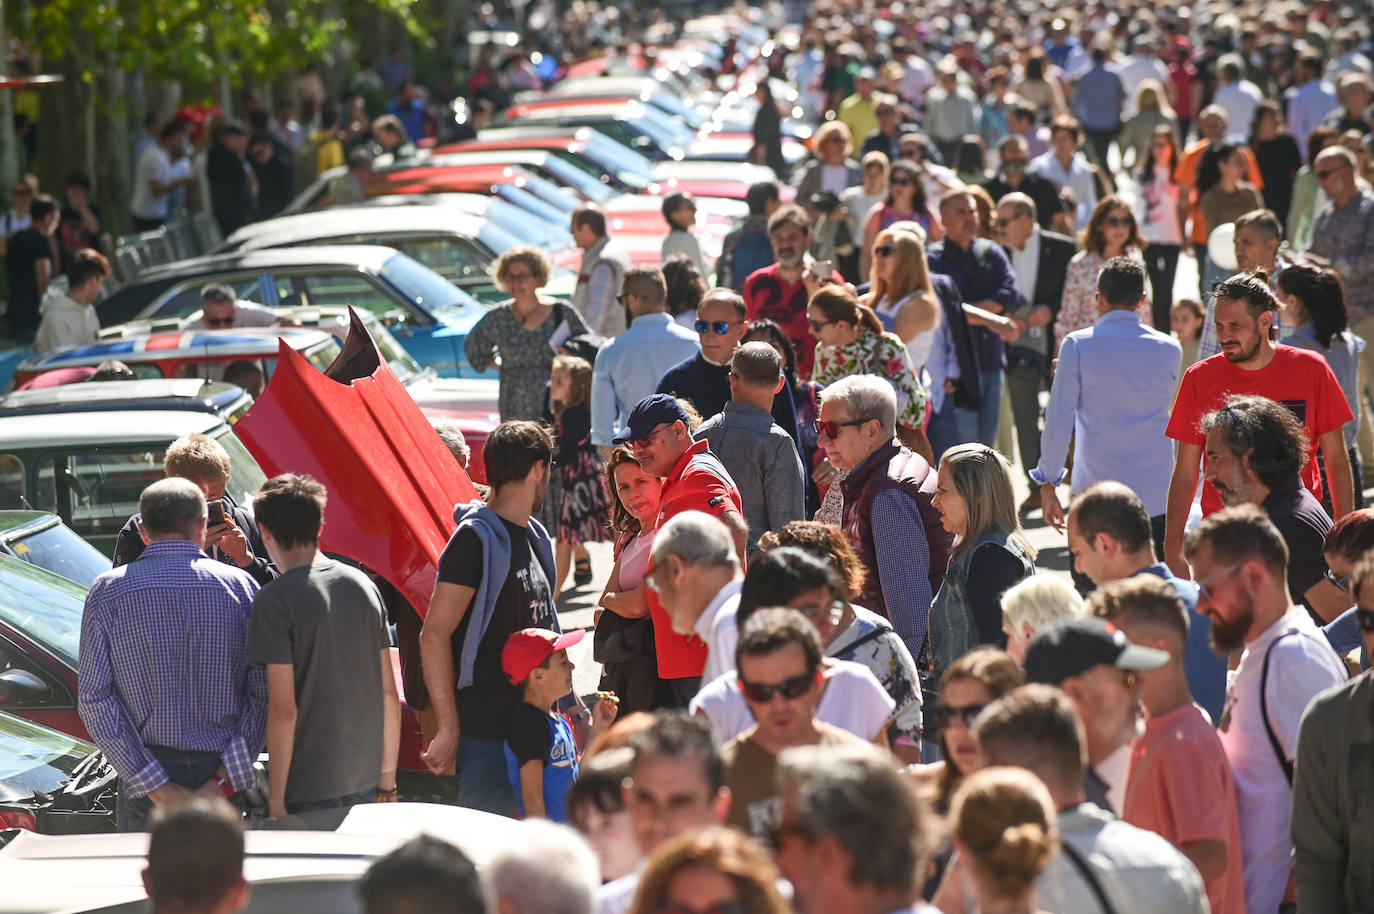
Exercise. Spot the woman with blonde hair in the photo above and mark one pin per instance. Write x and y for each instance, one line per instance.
(1152, 111)
(713, 869)
(834, 168)
(976, 503)
(852, 341)
(1005, 830)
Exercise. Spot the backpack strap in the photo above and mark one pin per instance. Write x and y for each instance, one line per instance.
(1089, 875)
(1284, 763)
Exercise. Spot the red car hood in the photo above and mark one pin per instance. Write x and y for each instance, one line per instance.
(392, 483)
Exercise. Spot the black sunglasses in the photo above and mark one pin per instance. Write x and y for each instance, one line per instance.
(944, 715)
(719, 328)
(1340, 580)
(884, 250)
(795, 687)
(817, 325)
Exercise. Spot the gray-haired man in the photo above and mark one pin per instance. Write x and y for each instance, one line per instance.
(697, 578)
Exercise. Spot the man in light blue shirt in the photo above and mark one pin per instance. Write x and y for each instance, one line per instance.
(1069, 168)
(1113, 387)
(629, 367)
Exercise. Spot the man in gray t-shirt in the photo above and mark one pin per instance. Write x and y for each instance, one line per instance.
(334, 717)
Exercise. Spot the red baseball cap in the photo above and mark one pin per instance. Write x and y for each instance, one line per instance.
(529, 647)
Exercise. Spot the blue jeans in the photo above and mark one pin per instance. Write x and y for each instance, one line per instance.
(185, 767)
(951, 426)
(362, 796)
(482, 780)
(1344, 634)
(990, 410)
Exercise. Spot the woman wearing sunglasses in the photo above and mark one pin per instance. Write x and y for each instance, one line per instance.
(852, 341)
(1112, 232)
(710, 871)
(624, 642)
(903, 296)
(905, 202)
(852, 698)
(1350, 539)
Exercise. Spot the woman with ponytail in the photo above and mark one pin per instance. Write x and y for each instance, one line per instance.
(853, 341)
(1004, 827)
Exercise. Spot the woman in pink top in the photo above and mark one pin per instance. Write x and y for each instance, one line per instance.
(906, 202)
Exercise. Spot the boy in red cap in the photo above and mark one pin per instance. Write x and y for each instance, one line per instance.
(541, 754)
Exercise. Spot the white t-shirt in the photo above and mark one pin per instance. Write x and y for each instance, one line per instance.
(1303, 664)
(1157, 208)
(11, 222)
(719, 628)
(154, 164)
(853, 700)
(834, 178)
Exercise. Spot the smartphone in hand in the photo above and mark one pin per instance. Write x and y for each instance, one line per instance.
(216, 513)
(822, 269)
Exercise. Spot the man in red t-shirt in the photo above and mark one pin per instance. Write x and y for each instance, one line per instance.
(780, 291)
(693, 480)
(1250, 364)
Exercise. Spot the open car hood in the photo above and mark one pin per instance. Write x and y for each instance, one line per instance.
(392, 483)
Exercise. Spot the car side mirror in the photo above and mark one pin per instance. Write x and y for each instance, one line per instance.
(20, 687)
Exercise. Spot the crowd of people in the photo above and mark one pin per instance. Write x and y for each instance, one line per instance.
(835, 673)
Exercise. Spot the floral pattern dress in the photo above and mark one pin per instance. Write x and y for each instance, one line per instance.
(526, 356)
(881, 354)
(1078, 308)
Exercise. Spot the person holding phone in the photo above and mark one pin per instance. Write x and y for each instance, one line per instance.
(231, 534)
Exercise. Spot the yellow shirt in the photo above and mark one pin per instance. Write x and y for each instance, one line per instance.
(860, 116)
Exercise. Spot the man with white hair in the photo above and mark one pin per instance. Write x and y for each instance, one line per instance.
(1032, 604)
(548, 869)
(697, 577)
(888, 516)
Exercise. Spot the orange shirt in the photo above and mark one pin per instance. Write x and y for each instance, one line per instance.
(1186, 173)
(1181, 787)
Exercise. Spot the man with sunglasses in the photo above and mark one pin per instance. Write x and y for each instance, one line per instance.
(704, 378)
(1241, 565)
(779, 663)
(1331, 784)
(221, 309)
(1096, 666)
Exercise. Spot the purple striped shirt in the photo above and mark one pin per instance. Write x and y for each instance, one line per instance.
(162, 663)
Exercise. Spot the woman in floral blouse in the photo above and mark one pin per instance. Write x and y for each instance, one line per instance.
(852, 341)
(1112, 232)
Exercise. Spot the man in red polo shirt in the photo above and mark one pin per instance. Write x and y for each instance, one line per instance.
(779, 291)
(1250, 364)
(693, 480)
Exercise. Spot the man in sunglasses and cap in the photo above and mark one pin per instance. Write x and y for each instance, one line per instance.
(1095, 665)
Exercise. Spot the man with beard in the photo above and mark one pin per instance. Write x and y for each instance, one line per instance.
(1250, 363)
(1241, 563)
(493, 580)
(1255, 448)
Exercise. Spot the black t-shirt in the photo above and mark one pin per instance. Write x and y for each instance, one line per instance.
(991, 571)
(528, 734)
(525, 601)
(1303, 524)
(25, 249)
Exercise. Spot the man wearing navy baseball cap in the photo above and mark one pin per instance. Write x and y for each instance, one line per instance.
(1096, 665)
(693, 480)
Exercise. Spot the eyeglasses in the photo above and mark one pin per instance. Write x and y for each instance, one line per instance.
(719, 328)
(1340, 580)
(900, 182)
(827, 614)
(831, 430)
(944, 715)
(817, 325)
(219, 321)
(1118, 221)
(1204, 591)
(645, 440)
(795, 687)
(1366, 619)
(1003, 222)
(885, 250)
(719, 907)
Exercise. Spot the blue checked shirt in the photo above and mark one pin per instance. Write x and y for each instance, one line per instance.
(903, 555)
(162, 663)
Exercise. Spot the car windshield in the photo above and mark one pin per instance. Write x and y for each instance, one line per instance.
(25, 746)
(585, 184)
(245, 476)
(665, 131)
(403, 366)
(522, 222)
(537, 207)
(550, 193)
(429, 291)
(45, 607)
(496, 237)
(58, 549)
(321, 356)
(604, 149)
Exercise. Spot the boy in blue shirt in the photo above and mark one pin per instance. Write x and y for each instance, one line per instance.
(541, 753)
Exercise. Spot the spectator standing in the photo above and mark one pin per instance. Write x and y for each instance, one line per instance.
(1110, 539)
(1355, 93)
(860, 198)
(905, 202)
(747, 247)
(974, 497)
(859, 112)
(1031, 605)
(494, 578)
(888, 514)
(1329, 838)
(409, 108)
(1279, 158)
(17, 217)
(1225, 195)
(1258, 236)
(630, 367)
(162, 169)
(902, 295)
(30, 266)
(1098, 100)
(1160, 218)
(779, 291)
(1180, 785)
(1250, 364)
(144, 626)
(685, 288)
(320, 630)
(351, 186)
(779, 661)
(521, 332)
(1212, 127)
(581, 512)
(852, 835)
(835, 168)
(753, 448)
(195, 859)
(803, 398)
(1152, 111)
(80, 224)
(1039, 86)
(68, 315)
(887, 138)
(1310, 101)
(1021, 121)
(1013, 157)
(548, 869)
(680, 212)
(229, 177)
(1343, 234)
(275, 168)
(601, 276)
(704, 378)
(767, 132)
(715, 869)
(1237, 96)
(951, 109)
(1067, 167)
(1241, 563)
(1112, 232)
(1004, 826)
(424, 874)
(697, 578)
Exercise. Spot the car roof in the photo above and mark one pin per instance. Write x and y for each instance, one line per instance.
(108, 427)
(342, 221)
(557, 107)
(245, 342)
(151, 393)
(491, 157)
(357, 256)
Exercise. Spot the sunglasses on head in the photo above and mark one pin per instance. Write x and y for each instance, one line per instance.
(795, 687)
(719, 328)
(831, 430)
